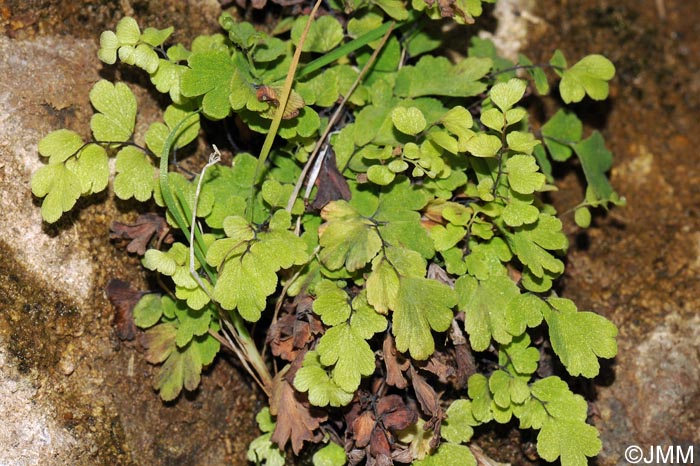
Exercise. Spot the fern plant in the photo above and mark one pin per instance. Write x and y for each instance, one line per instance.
(390, 232)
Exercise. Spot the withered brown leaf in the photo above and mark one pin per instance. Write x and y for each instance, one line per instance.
(394, 367)
(437, 366)
(394, 414)
(362, 429)
(466, 365)
(296, 420)
(293, 331)
(123, 297)
(429, 402)
(141, 232)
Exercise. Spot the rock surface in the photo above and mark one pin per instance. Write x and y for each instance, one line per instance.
(70, 391)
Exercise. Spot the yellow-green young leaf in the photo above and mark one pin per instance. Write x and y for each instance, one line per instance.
(422, 305)
(515, 115)
(482, 401)
(148, 311)
(365, 321)
(210, 75)
(558, 62)
(449, 454)
(458, 427)
(524, 311)
(380, 174)
(155, 37)
(92, 168)
(446, 237)
(559, 401)
(485, 304)
(330, 455)
(457, 214)
(332, 304)
(523, 174)
(444, 140)
(394, 8)
(194, 295)
(437, 76)
(588, 76)
(519, 358)
(160, 261)
(520, 141)
(116, 105)
(344, 346)
(61, 188)
(108, 47)
(59, 145)
(505, 95)
(146, 58)
(127, 54)
(483, 145)
(230, 186)
(486, 259)
(408, 120)
(458, 121)
(399, 223)
(493, 118)
(573, 442)
(135, 175)
(382, 285)
(531, 242)
(128, 32)
(519, 210)
(248, 269)
(398, 166)
(167, 79)
(350, 355)
(263, 451)
(369, 21)
(313, 378)
(579, 338)
(507, 389)
(158, 133)
(264, 420)
(347, 238)
(277, 194)
(325, 33)
(582, 217)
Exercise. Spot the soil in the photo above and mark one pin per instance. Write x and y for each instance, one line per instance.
(637, 265)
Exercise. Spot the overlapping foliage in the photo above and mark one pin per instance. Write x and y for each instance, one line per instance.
(402, 288)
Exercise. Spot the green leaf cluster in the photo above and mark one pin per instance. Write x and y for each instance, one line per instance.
(178, 339)
(248, 259)
(76, 168)
(261, 450)
(433, 230)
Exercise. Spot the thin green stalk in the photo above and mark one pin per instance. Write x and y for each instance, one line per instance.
(283, 98)
(334, 118)
(171, 202)
(345, 49)
(241, 335)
